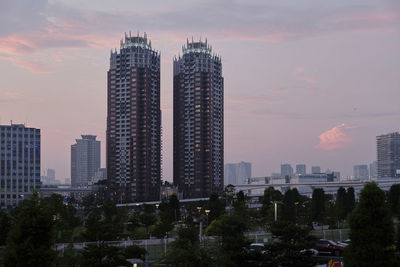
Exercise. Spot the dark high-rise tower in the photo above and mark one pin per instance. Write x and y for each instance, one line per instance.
(134, 122)
(198, 121)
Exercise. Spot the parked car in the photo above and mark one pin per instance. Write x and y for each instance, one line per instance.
(344, 243)
(325, 247)
(310, 251)
(258, 247)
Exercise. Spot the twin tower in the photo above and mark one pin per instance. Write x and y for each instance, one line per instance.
(134, 121)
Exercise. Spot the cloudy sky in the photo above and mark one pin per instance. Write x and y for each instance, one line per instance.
(305, 81)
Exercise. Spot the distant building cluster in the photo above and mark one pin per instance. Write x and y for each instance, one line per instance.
(50, 178)
(237, 173)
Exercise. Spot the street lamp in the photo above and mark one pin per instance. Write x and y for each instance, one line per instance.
(276, 210)
(207, 212)
(200, 226)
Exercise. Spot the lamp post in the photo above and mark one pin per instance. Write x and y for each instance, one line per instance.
(207, 212)
(200, 226)
(276, 210)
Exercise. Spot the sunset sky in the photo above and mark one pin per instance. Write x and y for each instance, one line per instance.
(308, 82)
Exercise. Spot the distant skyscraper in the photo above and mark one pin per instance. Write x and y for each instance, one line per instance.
(360, 172)
(19, 163)
(388, 152)
(301, 169)
(198, 121)
(134, 122)
(315, 169)
(286, 170)
(237, 173)
(373, 169)
(230, 174)
(50, 178)
(85, 160)
(51, 174)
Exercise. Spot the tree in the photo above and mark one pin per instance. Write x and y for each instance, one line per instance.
(228, 194)
(186, 250)
(30, 240)
(105, 223)
(394, 199)
(350, 199)
(230, 231)
(170, 210)
(66, 217)
(341, 201)
(291, 247)
(270, 196)
(135, 252)
(5, 224)
(371, 231)
(290, 205)
(318, 205)
(147, 217)
(103, 256)
(216, 207)
(239, 204)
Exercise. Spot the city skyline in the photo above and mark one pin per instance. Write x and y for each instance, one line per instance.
(325, 77)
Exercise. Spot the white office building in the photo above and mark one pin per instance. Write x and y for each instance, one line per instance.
(237, 173)
(85, 160)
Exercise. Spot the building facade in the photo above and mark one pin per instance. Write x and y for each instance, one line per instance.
(301, 169)
(360, 172)
(286, 170)
(198, 121)
(85, 160)
(19, 163)
(237, 173)
(134, 122)
(315, 169)
(388, 155)
(373, 169)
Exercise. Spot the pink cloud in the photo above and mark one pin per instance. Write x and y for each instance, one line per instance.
(311, 80)
(9, 97)
(28, 64)
(13, 95)
(333, 139)
(15, 45)
(300, 69)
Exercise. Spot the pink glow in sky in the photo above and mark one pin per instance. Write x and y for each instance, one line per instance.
(334, 138)
(297, 73)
